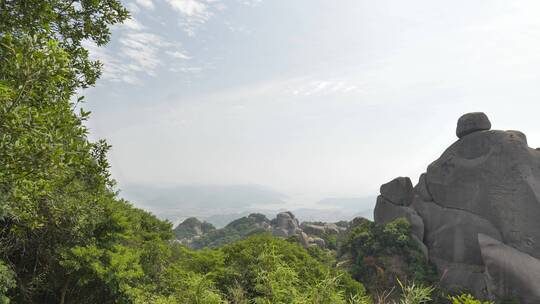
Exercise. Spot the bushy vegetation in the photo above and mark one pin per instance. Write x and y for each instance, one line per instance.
(191, 227)
(260, 269)
(7, 282)
(466, 299)
(234, 231)
(272, 270)
(380, 255)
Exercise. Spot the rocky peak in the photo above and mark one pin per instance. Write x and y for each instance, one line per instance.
(192, 227)
(475, 211)
(250, 222)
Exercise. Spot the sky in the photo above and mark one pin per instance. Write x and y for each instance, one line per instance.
(311, 98)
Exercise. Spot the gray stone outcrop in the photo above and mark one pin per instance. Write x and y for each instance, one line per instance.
(487, 183)
(510, 272)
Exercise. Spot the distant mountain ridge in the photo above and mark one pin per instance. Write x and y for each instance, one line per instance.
(199, 234)
(221, 204)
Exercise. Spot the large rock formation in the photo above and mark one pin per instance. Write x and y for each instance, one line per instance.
(286, 225)
(488, 183)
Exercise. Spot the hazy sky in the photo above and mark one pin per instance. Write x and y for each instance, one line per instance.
(311, 98)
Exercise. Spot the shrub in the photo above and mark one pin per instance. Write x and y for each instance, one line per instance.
(381, 254)
(7, 281)
(415, 294)
(466, 299)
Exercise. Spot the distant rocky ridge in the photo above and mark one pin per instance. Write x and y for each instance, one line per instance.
(341, 209)
(192, 227)
(476, 212)
(196, 234)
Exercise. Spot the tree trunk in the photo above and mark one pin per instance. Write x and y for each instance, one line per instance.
(63, 292)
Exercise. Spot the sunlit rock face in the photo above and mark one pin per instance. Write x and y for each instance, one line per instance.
(487, 182)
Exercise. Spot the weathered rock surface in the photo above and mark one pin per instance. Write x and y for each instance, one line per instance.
(459, 277)
(451, 234)
(304, 239)
(309, 234)
(385, 212)
(472, 122)
(313, 229)
(495, 175)
(488, 183)
(421, 189)
(510, 272)
(398, 191)
(286, 222)
(332, 228)
(321, 229)
(318, 241)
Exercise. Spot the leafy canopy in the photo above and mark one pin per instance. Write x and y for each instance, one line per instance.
(70, 23)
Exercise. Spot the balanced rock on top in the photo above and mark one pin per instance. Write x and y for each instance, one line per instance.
(472, 122)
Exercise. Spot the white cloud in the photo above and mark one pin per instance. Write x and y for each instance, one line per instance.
(324, 87)
(178, 55)
(191, 70)
(113, 68)
(133, 24)
(194, 13)
(190, 8)
(250, 2)
(143, 49)
(139, 53)
(146, 4)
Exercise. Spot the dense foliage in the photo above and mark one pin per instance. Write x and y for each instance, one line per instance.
(7, 282)
(260, 269)
(272, 270)
(380, 255)
(192, 227)
(67, 23)
(466, 299)
(64, 236)
(234, 231)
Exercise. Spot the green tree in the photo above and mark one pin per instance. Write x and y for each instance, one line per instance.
(69, 22)
(382, 254)
(63, 232)
(51, 176)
